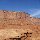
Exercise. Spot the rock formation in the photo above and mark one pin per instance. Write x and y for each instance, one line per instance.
(20, 20)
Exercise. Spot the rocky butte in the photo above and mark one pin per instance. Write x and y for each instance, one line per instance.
(18, 26)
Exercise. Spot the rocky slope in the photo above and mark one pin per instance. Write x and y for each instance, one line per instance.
(19, 20)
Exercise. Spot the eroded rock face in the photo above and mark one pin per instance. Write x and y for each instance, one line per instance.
(20, 20)
(15, 19)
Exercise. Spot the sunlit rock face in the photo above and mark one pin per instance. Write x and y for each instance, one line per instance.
(20, 20)
(12, 19)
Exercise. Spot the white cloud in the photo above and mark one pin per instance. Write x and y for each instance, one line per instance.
(35, 12)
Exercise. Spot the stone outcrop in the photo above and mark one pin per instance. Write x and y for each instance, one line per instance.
(20, 20)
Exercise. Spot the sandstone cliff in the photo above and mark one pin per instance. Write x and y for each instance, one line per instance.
(19, 20)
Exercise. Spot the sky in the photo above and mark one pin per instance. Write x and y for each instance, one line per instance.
(30, 6)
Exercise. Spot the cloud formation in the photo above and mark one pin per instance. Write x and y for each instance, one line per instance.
(35, 12)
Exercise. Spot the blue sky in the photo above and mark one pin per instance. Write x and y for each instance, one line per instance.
(30, 6)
